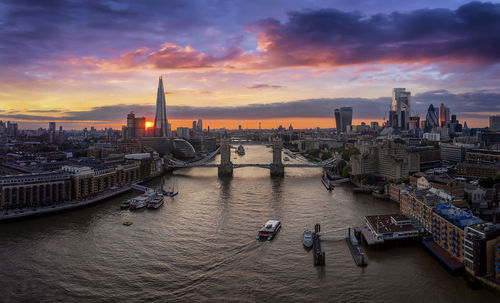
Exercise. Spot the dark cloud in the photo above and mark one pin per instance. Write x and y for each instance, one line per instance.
(43, 111)
(260, 86)
(333, 37)
(465, 105)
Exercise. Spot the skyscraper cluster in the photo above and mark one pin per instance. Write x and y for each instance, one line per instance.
(399, 116)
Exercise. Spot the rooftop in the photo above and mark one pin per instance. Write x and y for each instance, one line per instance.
(386, 223)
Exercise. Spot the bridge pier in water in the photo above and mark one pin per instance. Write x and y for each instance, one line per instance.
(225, 168)
(277, 168)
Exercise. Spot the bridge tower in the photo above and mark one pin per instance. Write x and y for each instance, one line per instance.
(277, 168)
(225, 168)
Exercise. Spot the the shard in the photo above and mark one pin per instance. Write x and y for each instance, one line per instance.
(161, 122)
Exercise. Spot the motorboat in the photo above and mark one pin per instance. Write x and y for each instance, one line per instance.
(241, 150)
(142, 200)
(127, 223)
(156, 202)
(269, 230)
(308, 238)
(125, 204)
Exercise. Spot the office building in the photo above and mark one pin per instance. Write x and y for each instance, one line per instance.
(401, 104)
(343, 118)
(183, 132)
(338, 124)
(431, 119)
(387, 159)
(414, 123)
(161, 122)
(495, 122)
(444, 116)
(199, 125)
(52, 126)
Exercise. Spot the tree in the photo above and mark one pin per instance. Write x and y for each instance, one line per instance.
(313, 152)
(326, 156)
(346, 171)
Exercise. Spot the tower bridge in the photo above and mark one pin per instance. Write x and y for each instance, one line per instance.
(225, 168)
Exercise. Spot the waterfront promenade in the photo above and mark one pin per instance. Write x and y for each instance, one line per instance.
(14, 214)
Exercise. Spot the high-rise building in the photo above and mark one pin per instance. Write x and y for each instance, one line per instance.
(431, 119)
(495, 122)
(414, 123)
(194, 125)
(199, 126)
(52, 127)
(343, 118)
(444, 115)
(393, 119)
(161, 122)
(131, 126)
(338, 124)
(401, 104)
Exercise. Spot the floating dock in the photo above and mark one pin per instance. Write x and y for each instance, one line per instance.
(357, 255)
(319, 255)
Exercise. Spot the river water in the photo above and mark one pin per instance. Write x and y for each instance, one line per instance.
(200, 247)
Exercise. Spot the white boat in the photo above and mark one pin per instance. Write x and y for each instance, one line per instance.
(125, 204)
(308, 238)
(142, 200)
(269, 230)
(156, 202)
(172, 192)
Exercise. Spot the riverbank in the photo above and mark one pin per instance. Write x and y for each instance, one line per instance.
(18, 214)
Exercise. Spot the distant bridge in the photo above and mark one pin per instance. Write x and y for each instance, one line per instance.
(226, 166)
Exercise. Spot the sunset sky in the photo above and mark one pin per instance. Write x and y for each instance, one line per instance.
(84, 63)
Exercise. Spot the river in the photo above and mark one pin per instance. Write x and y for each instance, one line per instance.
(200, 247)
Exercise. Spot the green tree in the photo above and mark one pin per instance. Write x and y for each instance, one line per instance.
(326, 156)
(313, 152)
(346, 171)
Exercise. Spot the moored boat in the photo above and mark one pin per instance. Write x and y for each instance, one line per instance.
(142, 200)
(156, 202)
(125, 204)
(172, 192)
(308, 238)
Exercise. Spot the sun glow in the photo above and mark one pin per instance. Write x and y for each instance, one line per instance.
(149, 124)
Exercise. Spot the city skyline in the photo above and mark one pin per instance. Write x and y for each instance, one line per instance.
(275, 66)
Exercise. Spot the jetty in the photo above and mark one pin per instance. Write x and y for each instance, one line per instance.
(319, 255)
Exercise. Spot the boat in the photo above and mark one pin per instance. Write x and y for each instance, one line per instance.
(142, 200)
(156, 202)
(127, 223)
(241, 150)
(172, 192)
(286, 159)
(308, 239)
(269, 230)
(125, 204)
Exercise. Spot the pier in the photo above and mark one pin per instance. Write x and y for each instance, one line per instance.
(357, 255)
(319, 255)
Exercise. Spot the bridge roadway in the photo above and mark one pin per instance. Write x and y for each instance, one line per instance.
(268, 166)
